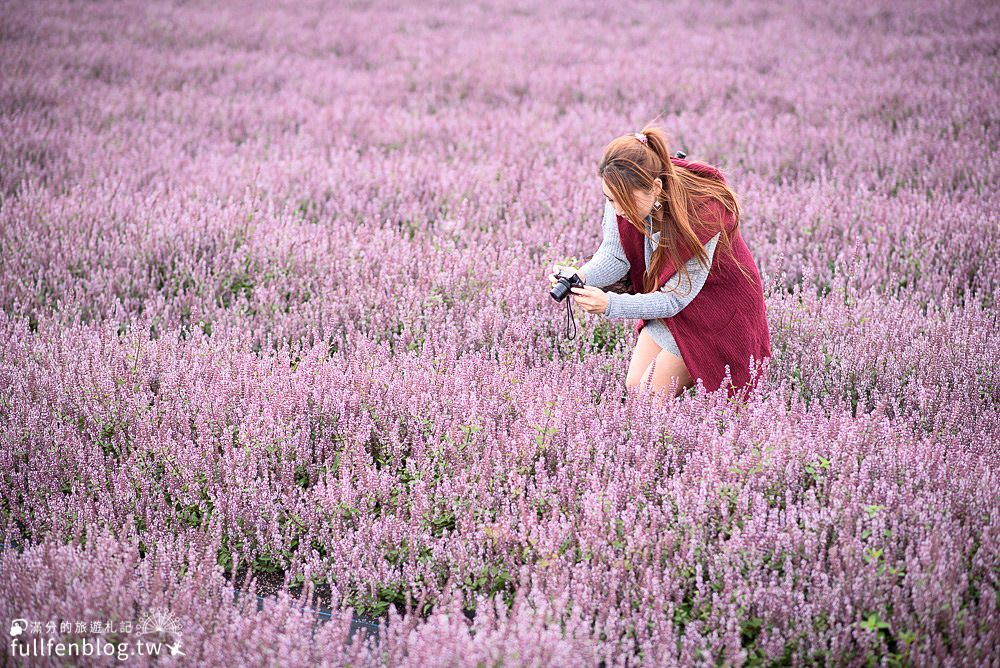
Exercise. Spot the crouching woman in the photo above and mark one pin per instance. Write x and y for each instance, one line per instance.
(697, 294)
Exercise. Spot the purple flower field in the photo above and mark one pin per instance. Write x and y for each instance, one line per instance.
(274, 316)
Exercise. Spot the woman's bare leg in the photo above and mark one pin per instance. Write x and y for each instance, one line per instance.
(668, 368)
(645, 351)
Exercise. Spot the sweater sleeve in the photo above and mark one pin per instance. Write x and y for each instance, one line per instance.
(609, 263)
(663, 304)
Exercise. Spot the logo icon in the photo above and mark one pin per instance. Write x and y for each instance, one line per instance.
(161, 623)
(17, 627)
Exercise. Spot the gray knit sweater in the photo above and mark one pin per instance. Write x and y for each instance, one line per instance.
(609, 265)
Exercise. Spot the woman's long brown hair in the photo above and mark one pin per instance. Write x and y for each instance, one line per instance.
(628, 164)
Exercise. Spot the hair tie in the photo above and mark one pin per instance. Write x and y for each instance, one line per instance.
(640, 136)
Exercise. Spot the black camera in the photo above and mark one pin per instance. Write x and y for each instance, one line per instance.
(562, 287)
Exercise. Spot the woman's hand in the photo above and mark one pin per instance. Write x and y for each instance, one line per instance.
(590, 299)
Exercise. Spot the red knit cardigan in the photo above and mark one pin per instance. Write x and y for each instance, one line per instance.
(726, 323)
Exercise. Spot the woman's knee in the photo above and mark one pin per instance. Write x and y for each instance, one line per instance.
(670, 371)
(643, 356)
(636, 378)
(642, 379)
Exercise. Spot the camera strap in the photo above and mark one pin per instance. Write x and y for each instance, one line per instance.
(569, 318)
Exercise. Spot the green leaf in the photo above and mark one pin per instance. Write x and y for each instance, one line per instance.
(872, 510)
(874, 623)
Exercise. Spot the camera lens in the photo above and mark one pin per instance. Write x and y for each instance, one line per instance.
(560, 289)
